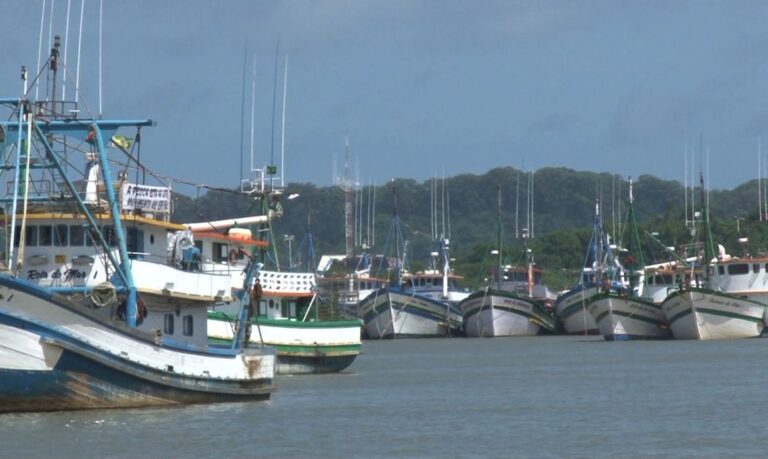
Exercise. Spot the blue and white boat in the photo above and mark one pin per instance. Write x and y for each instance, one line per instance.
(619, 310)
(408, 307)
(97, 308)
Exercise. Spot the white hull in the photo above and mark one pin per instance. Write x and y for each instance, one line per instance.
(55, 356)
(706, 315)
(572, 311)
(389, 314)
(625, 318)
(491, 315)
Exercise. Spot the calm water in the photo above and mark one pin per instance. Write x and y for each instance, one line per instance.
(516, 397)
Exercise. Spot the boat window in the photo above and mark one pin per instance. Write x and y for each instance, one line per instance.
(738, 269)
(168, 324)
(188, 326)
(16, 231)
(284, 309)
(263, 307)
(135, 243)
(219, 252)
(60, 235)
(271, 304)
(151, 238)
(76, 235)
(720, 269)
(537, 278)
(46, 235)
(30, 238)
(756, 267)
(668, 279)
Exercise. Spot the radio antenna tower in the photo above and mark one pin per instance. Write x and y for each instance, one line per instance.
(345, 183)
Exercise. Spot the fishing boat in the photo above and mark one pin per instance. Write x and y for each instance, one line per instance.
(286, 314)
(93, 292)
(345, 289)
(288, 319)
(571, 307)
(719, 307)
(617, 307)
(406, 310)
(514, 303)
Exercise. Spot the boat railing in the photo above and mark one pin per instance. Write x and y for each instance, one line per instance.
(57, 109)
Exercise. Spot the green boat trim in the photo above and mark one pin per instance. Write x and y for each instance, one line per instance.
(714, 312)
(288, 323)
(636, 316)
(330, 350)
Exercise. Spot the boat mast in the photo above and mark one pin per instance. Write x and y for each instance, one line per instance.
(498, 238)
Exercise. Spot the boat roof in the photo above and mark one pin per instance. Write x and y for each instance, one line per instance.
(230, 238)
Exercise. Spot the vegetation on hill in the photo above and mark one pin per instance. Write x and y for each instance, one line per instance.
(563, 210)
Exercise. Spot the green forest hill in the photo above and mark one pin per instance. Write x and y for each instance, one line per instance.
(563, 208)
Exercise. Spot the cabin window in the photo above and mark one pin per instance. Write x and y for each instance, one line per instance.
(168, 324)
(199, 245)
(30, 236)
(738, 269)
(219, 254)
(60, 235)
(45, 235)
(667, 279)
(151, 238)
(188, 326)
(284, 309)
(720, 269)
(76, 235)
(756, 267)
(263, 307)
(271, 304)
(135, 243)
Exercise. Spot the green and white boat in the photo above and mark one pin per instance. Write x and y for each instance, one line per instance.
(288, 318)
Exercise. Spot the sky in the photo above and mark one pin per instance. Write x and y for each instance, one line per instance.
(422, 88)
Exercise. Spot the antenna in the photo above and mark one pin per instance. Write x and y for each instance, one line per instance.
(282, 141)
(66, 48)
(442, 209)
(685, 180)
(274, 103)
(101, 11)
(253, 105)
(517, 203)
(759, 179)
(346, 185)
(242, 109)
(40, 49)
(79, 43)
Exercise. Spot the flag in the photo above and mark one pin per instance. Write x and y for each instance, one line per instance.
(122, 141)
